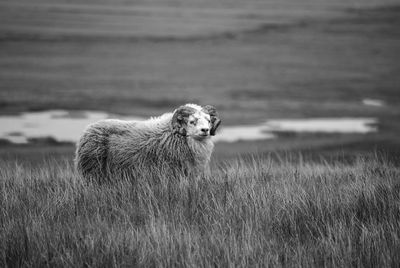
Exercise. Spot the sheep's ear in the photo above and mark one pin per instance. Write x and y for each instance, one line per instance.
(215, 121)
(179, 119)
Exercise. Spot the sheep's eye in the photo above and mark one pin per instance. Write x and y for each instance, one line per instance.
(192, 122)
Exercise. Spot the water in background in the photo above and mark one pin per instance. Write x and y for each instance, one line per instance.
(67, 126)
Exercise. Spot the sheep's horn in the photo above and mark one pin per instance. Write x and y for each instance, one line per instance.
(215, 121)
(215, 125)
(178, 119)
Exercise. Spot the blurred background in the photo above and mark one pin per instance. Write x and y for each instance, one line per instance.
(316, 77)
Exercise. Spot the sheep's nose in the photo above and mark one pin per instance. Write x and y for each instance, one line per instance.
(205, 130)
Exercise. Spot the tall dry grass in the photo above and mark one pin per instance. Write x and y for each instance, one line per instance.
(249, 212)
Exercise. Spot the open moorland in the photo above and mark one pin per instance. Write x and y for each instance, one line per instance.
(302, 199)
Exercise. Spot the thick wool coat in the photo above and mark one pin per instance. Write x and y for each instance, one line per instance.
(111, 148)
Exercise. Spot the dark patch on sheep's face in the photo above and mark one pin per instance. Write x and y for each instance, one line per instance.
(215, 121)
(180, 119)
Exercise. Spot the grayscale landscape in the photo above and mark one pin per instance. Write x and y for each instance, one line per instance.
(305, 170)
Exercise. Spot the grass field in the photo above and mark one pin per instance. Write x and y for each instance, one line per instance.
(249, 212)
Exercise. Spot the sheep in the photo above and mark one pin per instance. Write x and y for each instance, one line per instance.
(177, 141)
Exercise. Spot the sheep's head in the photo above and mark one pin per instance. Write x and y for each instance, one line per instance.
(195, 121)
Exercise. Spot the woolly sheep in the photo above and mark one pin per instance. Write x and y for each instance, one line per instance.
(178, 141)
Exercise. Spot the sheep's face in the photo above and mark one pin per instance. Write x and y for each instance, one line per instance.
(198, 125)
(194, 121)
